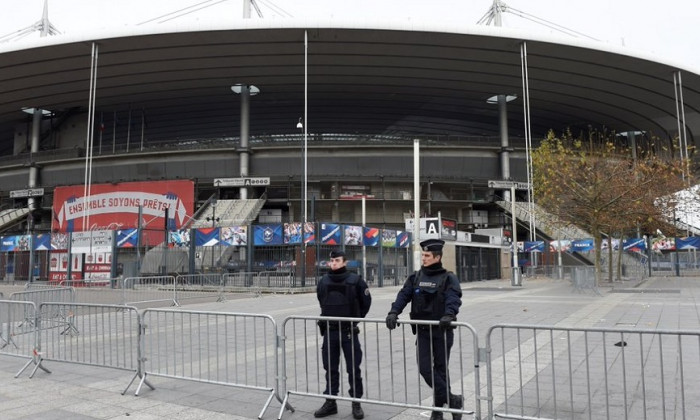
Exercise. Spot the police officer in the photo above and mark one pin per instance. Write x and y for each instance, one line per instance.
(435, 294)
(341, 293)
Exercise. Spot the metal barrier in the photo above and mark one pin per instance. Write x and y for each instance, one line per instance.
(275, 279)
(391, 374)
(41, 295)
(230, 349)
(549, 372)
(583, 278)
(17, 335)
(107, 291)
(199, 286)
(150, 289)
(96, 335)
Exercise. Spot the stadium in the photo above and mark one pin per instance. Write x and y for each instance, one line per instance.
(276, 122)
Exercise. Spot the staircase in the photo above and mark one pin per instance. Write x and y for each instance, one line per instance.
(11, 216)
(550, 227)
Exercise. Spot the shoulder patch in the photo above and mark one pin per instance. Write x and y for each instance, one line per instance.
(366, 292)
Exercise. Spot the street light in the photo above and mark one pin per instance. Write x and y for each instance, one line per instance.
(213, 219)
(300, 125)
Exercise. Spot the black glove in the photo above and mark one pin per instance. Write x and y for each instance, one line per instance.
(446, 321)
(392, 320)
(322, 326)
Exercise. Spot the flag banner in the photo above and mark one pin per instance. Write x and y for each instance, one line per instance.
(179, 238)
(663, 244)
(371, 236)
(15, 243)
(692, 242)
(533, 246)
(388, 238)
(634, 244)
(330, 234)
(268, 235)
(292, 233)
(59, 241)
(563, 245)
(234, 235)
(42, 242)
(206, 236)
(403, 239)
(582, 245)
(352, 235)
(127, 238)
(310, 233)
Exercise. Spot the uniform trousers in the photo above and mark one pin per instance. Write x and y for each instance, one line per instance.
(433, 346)
(333, 342)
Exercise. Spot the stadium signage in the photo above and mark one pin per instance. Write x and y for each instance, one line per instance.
(509, 184)
(31, 192)
(242, 182)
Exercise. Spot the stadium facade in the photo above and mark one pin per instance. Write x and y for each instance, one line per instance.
(330, 106)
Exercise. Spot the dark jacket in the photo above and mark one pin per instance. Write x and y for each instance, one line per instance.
(430, 275)
(342, 293)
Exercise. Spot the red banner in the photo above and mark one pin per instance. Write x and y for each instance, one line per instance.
(116, 206)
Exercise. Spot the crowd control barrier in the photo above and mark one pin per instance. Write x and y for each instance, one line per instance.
(149, 290)
(199, 286)
(389, 368)
(230, 349)
(539, 372)
(18, 331)
(96, 335)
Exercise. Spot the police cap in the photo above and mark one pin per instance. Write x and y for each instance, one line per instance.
(432, 245)
(337, 254)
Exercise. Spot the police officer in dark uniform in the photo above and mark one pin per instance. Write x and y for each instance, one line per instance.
(341, 293)
(435, 294)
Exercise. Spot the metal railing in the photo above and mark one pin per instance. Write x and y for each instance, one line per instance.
(542, 372)
(90, 334)
(391, 375)
(232, 349)
(532, 371)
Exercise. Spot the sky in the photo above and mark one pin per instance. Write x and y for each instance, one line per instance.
(669, 29)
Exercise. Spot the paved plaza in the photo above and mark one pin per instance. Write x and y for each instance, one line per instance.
(83, 392)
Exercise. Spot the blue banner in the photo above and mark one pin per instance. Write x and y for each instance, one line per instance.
(206, 236)
(330, 234)
(634, 244)
(292, 233)
(692, 242)
(180, 238)
(534, 246)
(371, 236)
(268, 235)
(127, 238)
(403, 239)
(15, 243)
(42, 242)
(310, 233)
(582, 245)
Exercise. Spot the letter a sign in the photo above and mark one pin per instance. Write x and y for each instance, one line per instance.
(431, 227)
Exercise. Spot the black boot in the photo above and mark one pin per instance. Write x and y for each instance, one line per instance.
(456, 401)
(437, 415)
(357, 412)
(329, 407)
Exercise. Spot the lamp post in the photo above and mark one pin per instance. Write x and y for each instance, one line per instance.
(302, 207)
(213, 220)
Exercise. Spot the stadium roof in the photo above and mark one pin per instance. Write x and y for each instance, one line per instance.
(378, 78)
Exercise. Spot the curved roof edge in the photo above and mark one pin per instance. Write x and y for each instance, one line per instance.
(300, 23)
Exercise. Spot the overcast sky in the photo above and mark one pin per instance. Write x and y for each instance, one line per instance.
(666, 28)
